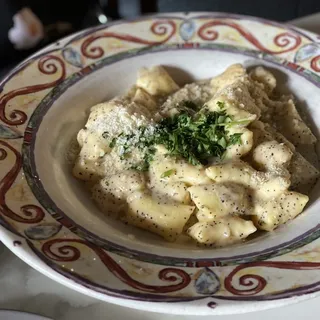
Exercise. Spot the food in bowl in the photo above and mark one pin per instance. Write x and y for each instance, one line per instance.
(216, 159)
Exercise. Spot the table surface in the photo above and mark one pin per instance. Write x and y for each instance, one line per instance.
(23, 288)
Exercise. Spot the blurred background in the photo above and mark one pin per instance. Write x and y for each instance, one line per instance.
(28, 25)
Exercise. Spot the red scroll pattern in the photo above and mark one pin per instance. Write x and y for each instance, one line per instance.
(160, 28)
(63, 250)
(45, 66)
(30, 213)
(286, 40)
(253, 284)
(315, 63)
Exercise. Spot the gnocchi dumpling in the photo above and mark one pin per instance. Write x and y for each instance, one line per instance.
(229, 76)
(165, 219)
(262, 185)
(117, 116)
(106, 121)
(171, 191)
(111, 192)
(303, 174)
(221, 232)
(144, 98)
(268, 186)
(156, 81)
(270, 155)
(170, 169)
(265, 77)
(88, 170)
(88, 163)
(218, 103)
(93, 146)
(269, 215)
(235, 171)
(238, 150)
(234, 97)
(220, 199)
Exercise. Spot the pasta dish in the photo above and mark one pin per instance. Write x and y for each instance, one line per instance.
(216, 159)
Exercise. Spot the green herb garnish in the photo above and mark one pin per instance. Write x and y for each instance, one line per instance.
(221, 104)
(113, 142)
(168, 173)
(195, 138)
(235, 138)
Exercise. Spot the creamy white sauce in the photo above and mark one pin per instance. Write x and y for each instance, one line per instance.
(222, 203)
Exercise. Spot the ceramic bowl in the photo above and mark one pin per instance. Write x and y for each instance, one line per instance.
(47, 217)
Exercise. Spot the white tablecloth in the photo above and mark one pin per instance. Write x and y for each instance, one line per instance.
(22, 288)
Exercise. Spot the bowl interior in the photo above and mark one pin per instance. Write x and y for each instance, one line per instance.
(69, 112)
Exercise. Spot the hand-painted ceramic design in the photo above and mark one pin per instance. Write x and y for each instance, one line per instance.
(43, 212)
(310, 51)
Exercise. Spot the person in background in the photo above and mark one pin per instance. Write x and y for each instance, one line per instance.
(28, 25)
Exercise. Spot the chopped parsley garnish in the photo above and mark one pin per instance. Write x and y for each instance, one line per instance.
(235, 138)
(168, 173)
(195, 138)
(221, 104)
(113, 142)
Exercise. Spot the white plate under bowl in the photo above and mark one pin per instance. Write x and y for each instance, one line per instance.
(18, 315)
(49, 221)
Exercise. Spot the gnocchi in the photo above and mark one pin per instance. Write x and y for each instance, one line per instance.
(203, 160)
